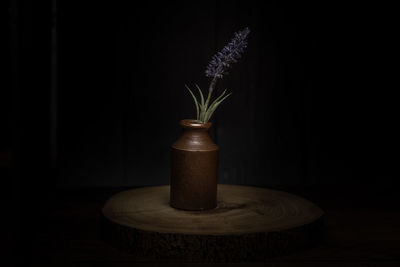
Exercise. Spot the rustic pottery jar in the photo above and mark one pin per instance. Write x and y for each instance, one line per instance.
(194, 168)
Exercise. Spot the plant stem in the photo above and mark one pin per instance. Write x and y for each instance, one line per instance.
(210, 90)
(212, 85)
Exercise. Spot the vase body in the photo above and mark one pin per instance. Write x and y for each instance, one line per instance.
(194, 168)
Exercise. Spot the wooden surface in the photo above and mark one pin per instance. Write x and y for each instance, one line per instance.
(249, 223)
(362, 229)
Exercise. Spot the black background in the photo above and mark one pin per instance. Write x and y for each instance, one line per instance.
(313, 101)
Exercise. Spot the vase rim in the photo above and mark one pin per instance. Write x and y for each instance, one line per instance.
(194, 124)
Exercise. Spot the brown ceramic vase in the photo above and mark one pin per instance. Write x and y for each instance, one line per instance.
(194, 168)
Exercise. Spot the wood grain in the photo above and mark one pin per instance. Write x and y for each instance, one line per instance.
(249, 223)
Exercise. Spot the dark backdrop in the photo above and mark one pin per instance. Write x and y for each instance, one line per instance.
(102, 102)
(302, 109)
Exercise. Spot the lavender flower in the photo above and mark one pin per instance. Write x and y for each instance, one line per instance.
(229, 54)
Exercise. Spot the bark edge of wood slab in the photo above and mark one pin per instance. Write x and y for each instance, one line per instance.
(249, 224)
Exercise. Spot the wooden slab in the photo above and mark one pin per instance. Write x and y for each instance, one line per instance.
(249, 223)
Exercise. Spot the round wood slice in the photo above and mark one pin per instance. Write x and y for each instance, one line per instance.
(249, 223)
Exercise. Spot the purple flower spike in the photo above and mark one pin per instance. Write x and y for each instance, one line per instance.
(230, 54)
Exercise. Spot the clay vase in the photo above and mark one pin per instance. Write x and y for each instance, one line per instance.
(194, 168)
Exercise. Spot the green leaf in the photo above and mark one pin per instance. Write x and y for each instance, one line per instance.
(203, 108)
(213, 107)
(195, 102)
(216, 101)
(218, 98)
(201, 94)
